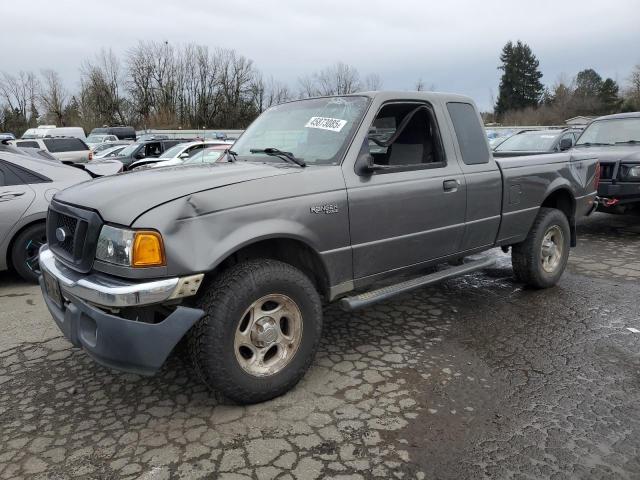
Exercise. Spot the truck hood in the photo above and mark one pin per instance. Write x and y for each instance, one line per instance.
(625, 153)
(124, 197)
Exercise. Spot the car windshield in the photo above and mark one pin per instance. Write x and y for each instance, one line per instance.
(172, 152)
(529, 142)
(95, 138)
(316, 130)
(205, 156)
(110, 152)
(612, 131)
(130, 149)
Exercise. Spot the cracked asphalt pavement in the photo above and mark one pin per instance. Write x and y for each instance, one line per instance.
(477, 377)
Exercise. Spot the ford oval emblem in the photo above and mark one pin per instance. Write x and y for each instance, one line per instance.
(61, 234)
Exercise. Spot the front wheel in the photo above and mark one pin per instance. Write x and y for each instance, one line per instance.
(26, 251)
(540, 260)
(260, 332)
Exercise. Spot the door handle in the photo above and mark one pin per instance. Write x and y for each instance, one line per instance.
(4, 197)
(450, 185)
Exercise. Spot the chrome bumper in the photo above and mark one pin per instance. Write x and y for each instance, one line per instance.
(107, 291)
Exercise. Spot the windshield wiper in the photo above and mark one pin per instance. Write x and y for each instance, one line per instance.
(279, 153)
(631, 142)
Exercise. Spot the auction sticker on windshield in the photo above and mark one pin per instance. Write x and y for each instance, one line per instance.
(324, 123)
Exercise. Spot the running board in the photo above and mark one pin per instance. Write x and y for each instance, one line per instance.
(384, 293)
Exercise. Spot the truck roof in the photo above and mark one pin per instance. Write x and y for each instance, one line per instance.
(386, 95)
(619, 115)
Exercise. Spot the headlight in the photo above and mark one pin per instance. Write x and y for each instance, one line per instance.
(130, 248)
(632, 172)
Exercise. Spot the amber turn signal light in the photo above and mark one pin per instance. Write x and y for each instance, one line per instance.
(148, 250)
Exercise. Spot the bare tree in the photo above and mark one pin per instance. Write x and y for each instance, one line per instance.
(337, 79)
(373, 82)
(54, 97)
(419, 86)
(101, 101)
(20, 94)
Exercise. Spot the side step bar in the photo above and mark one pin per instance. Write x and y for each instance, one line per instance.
(384, 293)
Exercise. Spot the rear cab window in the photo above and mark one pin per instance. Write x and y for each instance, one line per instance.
(28, 144)
(57, 145)
(470, 134)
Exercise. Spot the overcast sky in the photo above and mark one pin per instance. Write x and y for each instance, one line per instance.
(453, 45)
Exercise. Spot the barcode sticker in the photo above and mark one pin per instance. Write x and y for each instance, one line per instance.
(324, 123)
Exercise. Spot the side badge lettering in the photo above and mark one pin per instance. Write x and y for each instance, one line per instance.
(326, 209)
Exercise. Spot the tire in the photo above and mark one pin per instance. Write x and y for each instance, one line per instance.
(227, 344)
(538, 265)
(24, 252)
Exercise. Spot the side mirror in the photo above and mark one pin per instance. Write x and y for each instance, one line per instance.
(140, 155)
(365, 165)
(183, 155)
(565, 144)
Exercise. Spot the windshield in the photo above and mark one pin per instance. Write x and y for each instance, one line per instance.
(529, 142)
(130, 149)
(172, 152)
(205, 156)
(95, 138)
(609, 132)
(316, 130)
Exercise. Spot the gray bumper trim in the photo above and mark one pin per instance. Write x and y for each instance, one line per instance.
(108, 291)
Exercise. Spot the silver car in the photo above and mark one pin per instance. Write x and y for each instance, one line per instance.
(27, 184)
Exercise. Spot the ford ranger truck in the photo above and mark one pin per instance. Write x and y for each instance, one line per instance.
(615, 141)
(321, 200)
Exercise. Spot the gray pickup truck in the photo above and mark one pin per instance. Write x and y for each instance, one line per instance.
(322, 199)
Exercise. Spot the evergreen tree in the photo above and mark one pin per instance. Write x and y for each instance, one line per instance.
(611, 101)
(588, 83)
(520, 86)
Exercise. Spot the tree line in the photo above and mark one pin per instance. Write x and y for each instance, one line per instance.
(159, 85)
(524, 100)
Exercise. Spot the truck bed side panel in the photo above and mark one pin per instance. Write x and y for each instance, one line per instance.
(529, 180)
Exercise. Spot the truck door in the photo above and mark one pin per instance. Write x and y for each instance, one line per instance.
(482, 175)
(412, 209)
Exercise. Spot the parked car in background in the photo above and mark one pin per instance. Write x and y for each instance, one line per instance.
(145, 150)
(177, 154)
(215, 154)
(7, 136)
(44, 131)
(108, 145)
(122, 133)
(69, 150)
(535, 142)
(98, 138)
(27, 184)
(615, 141)
(109, 152)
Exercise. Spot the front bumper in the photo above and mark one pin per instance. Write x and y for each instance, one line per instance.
(116, 342)
(112, 292)
(624, 192)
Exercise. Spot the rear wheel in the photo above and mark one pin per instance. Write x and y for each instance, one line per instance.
(540, 260)
(25, 251)
(260, 333)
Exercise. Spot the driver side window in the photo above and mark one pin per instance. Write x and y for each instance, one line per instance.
(406, 135)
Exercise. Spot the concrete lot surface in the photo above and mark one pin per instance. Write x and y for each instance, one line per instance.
(474, 378)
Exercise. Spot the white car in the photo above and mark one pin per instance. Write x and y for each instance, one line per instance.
(44, 131)
(177, 154)
(96, 139)
(109, 152)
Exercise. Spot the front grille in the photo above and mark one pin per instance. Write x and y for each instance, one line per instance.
(81, 229)
(606, 171)
(69, 224)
